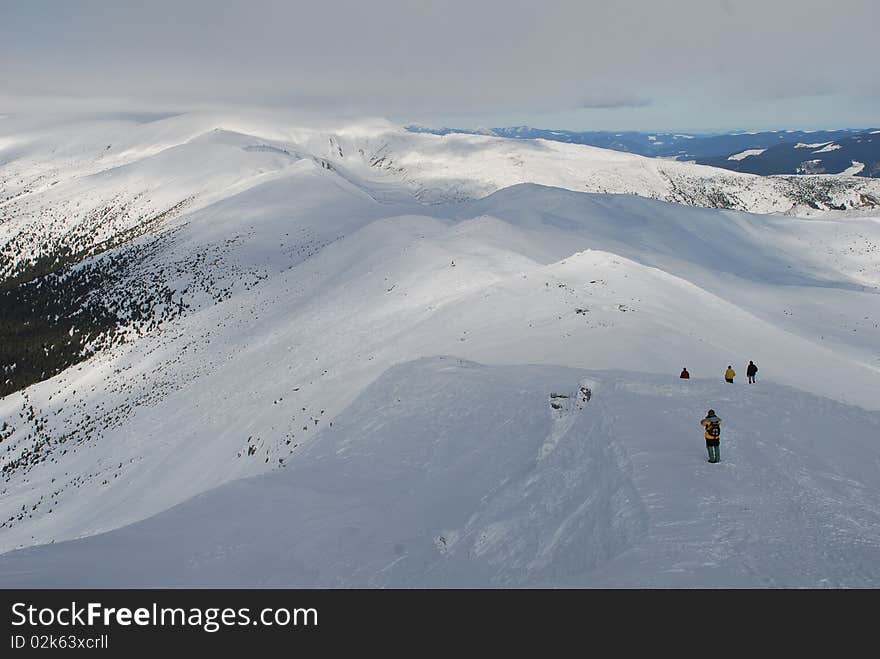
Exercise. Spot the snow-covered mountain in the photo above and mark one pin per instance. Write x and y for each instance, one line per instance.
(390, 334)
(71, 187)
(724, 150)
(851, 155)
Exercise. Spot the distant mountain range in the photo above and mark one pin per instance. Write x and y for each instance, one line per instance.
(852, 151)
(858, 155)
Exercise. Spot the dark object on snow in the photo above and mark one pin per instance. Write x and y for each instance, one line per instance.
(751, 372)
(684, 374)
(586, 393)
(712, 424)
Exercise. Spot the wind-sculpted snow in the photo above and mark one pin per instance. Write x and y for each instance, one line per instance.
(222, 339)
(448, 473)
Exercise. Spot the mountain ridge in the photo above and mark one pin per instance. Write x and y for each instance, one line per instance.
(720, 150)
(231, 337)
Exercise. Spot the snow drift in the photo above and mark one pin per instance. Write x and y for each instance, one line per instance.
(447, 473)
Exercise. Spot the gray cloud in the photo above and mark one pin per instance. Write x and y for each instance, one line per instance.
(415, 61)
(610, 101)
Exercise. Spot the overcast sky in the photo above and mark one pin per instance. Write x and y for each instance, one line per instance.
(617, 64)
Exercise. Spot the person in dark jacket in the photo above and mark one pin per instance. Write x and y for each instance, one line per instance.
(751, 372)
(712, 424)
(684, 374)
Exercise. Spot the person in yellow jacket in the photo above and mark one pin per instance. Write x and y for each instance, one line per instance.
(729, 374)
(712, 424)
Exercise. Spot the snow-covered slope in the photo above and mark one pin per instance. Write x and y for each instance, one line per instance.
(447, 473)
(79, 184)
(229, 334)
(457, 166)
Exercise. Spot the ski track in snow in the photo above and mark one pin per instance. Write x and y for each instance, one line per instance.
(770, 514)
